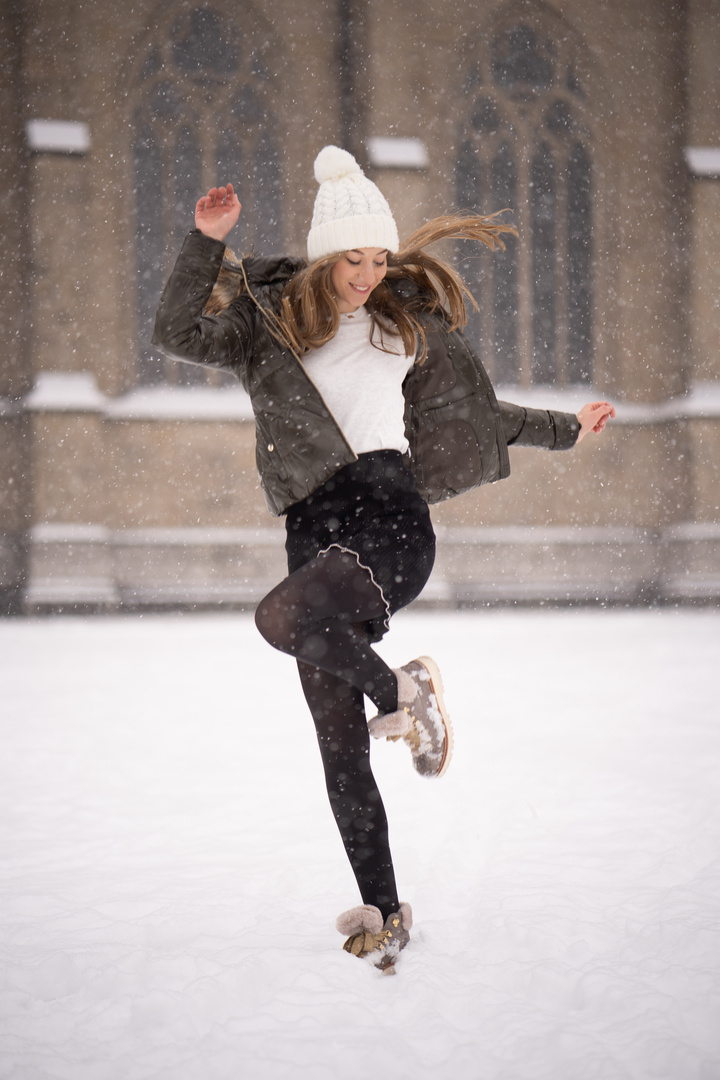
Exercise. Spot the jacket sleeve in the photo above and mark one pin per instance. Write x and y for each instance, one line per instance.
(544, 428)
(181, 329)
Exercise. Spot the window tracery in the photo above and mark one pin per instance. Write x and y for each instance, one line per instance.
(525, 145)
(203, 115)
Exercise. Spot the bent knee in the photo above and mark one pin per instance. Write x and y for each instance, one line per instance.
(277, 624)
(264, 622)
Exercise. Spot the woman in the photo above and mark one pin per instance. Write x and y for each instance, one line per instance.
(369, 404)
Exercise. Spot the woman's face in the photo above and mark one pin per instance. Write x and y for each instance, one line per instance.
(355, 275)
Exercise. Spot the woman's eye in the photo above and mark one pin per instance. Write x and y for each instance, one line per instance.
(353, 263)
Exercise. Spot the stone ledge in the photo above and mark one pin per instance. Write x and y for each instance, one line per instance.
(93, 567)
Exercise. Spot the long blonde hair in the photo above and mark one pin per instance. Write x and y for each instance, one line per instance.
(309, 317)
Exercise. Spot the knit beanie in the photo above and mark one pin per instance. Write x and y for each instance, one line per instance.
(349, 210)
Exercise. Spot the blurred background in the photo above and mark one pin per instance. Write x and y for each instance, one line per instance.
(128, 481)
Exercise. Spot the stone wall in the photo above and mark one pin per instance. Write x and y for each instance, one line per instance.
(119, 495)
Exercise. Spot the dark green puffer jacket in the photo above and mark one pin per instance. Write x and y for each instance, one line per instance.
(458, 431)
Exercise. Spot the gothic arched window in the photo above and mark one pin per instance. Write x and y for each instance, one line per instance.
(202, 115)
(525, 145)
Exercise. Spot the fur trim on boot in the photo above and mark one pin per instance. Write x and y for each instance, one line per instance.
(421, 719)
(396, 724)
(372, 940)
(364, 917)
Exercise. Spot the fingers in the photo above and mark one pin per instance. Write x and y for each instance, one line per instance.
(217, 212)
(594, 417)
(604, 406)
(607, 412)
(599, 410)
(218, 197)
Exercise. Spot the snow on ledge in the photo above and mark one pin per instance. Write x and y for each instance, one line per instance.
(65, 391)
(703, 160)
(702, 400)
(77, 391)
(393, 152)
(58, 136)
(182, 403)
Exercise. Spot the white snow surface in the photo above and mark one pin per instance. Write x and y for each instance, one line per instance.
(172, 873)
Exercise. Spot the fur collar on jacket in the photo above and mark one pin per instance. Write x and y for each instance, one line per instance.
(267, 276)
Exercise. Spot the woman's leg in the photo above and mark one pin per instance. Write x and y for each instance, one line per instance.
(339, 714)
(313, 616)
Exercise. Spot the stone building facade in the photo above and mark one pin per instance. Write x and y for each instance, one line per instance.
(129, 481)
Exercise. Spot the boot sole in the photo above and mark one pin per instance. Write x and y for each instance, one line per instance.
(436, 687)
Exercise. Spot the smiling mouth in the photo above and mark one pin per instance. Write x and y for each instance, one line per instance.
(360, 288)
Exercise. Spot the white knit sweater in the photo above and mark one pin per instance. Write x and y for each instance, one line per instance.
(362, 385)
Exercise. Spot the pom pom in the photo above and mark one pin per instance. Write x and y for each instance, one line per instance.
(332, 163)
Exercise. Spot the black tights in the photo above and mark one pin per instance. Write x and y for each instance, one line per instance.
(313, 615)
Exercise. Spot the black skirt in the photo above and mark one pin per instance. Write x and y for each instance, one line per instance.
(371, 508)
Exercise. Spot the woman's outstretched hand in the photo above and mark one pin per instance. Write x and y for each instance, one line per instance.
(594, 417)
(217, 212)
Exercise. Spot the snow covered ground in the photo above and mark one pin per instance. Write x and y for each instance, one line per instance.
(171, 872)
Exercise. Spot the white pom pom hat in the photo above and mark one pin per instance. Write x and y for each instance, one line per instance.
(350, 212)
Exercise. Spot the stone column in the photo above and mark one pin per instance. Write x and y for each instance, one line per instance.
(15, 316)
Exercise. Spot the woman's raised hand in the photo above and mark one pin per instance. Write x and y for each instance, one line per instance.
(594, 417)
(217, 212)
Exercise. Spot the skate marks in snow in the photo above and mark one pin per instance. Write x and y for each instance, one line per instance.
(172, 872)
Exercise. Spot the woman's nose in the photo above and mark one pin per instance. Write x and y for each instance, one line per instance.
(365, 275)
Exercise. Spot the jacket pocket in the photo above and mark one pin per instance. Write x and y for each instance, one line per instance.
(446, 453)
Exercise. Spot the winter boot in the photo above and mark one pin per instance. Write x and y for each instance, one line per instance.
(421, 719)
(369, 938)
